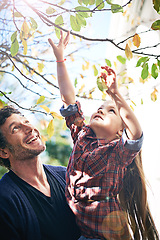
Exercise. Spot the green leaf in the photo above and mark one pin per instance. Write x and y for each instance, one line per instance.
(108, 62)
(142, 60)
(15, 45)
(115, 8)
(34, 24)
(84, 14)
(59, 21)
(80, 20)
(17, 14)
(40, 100)
(75, 82)
(154, 71)
(74, 24)
(145, 73)
(99, 4)
(14, 36)
(57, 31)
(91, 2)
(50, 10)
(80, 2)
(156, 5)
(121, 59)
(158, 63)
(101, 84)
(156, 25)
(95, 70)
(86, 2)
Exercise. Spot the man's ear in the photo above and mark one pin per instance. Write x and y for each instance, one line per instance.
(4, 153)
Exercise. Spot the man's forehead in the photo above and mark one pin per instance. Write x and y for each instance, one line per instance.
(14, 118)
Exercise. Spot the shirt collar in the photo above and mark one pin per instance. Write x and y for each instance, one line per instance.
(100, 141)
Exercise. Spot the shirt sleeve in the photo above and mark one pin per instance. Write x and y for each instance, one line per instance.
(74, 118)
(70, 110)
(128, 149)
(134, 145)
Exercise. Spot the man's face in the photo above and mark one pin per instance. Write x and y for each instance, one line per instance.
(23, 139)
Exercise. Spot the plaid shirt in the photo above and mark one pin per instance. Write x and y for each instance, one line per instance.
(94, 178)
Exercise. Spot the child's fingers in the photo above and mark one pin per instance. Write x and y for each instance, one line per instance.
(51, 43)
(66, 40)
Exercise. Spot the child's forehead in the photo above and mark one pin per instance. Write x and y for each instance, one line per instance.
(108, 103)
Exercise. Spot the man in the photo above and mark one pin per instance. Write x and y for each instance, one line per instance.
(32, 195)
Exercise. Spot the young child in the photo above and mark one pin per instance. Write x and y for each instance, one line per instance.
(104, 152)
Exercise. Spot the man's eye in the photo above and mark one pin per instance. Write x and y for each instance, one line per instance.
(14, 129)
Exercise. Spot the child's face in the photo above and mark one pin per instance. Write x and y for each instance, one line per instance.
(106, 122)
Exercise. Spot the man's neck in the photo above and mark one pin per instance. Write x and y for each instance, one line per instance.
(32, 172)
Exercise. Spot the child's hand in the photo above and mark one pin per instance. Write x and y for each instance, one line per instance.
(59, 49)
(110, 80)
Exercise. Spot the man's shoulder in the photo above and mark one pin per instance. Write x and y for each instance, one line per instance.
(56, 168)
(60, 170)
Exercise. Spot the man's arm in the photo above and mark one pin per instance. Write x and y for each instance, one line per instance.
(133, 128)
(65, 85)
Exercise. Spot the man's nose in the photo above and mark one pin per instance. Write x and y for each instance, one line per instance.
(27, 128)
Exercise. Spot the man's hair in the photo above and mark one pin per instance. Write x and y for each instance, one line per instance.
(5, 113)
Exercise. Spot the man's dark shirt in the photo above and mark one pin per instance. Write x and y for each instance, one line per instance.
(55, 218)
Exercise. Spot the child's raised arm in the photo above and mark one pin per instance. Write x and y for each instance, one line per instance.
(133, 128)
(65, 84)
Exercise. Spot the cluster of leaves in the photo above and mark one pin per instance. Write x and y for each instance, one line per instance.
(61, 18)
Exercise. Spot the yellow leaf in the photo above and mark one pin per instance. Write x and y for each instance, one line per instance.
(50, 129)
(13, 67)
(72, 58)
(129, 43)
(154, 95)
(90, 96)
(128, 52)
(24, 30)
(124, 13)
(53, 76)
(24, 43)
(104, 96)
(132, 107)
(44, 139)
(40, 67)
(45, 108)
(136, 40)
(56, 115)
(115, 65)
(85, 67)
(81, 76)
(40, 100)
(1, 104)
(81, 88)
(132, 22)
(64, 127)
(130, 80)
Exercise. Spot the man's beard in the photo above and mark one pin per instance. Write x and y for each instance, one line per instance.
(23, 154)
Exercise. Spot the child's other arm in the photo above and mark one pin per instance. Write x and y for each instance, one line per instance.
(132, 125)
(65, 85)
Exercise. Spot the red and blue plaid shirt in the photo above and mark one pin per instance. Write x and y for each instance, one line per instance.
(94, 178)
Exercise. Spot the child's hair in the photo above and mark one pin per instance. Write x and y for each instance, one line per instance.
(133, 199)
